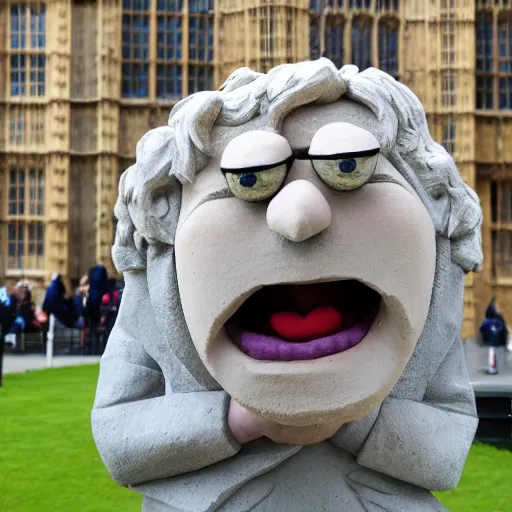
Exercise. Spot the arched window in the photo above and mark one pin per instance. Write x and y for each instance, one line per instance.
(163, 79)
(449, 135)
(168, 50)
(501, 218)
(25, 216)
(388, 46)
(388, 5)
(362, 42)
(200, 46)
(314, 38)
(494, 72)
(505, 63)
(484, 61)
(359, 4)
(314, 29)
(268, 37)
(27, 48)
(334, 34)
(135, 68)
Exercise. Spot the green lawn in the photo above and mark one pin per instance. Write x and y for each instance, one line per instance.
(486, 485)
(48, 461)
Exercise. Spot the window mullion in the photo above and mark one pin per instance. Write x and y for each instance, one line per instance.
(28, 50)
(4, 195)
(375, 41)
(321, 32)
(24, 219)
(28, 126)
(26, 248)
(500, 203)
(9, 54)
(26, 262)
(152, 50)
(184, 49)
(496, 59)
(26, 205)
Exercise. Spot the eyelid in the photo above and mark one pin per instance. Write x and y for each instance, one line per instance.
(300, 154)
(260, 168)
(343, 156)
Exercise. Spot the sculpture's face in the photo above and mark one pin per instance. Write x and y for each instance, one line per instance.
(305, 264)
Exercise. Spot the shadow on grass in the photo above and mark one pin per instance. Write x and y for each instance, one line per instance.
(500, 444)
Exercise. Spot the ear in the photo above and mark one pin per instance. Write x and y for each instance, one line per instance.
(458, 216)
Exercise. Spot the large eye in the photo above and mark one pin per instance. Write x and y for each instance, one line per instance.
(344, 155)
(257, 185)
(256, 164)
(346, 173)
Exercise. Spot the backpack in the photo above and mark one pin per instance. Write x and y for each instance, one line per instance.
(492, 332)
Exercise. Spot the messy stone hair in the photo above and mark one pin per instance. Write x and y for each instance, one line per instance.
(167, 157)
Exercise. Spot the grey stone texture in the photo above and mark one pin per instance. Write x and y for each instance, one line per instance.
(160, 418)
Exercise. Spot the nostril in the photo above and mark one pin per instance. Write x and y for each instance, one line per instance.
(299, 211)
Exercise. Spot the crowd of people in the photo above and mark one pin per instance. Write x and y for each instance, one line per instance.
(18, 313)
(92, 308)
(94, 305)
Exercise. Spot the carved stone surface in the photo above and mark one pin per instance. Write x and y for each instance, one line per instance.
(306, 191)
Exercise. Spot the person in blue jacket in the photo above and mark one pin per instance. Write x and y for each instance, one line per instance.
(494, 334)
(8, 310)
(58, 304)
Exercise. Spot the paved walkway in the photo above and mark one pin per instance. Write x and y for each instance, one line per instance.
(24, 363)
(476, 357)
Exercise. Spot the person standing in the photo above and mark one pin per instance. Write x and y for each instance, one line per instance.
(8, 313)
(8, 308)
(494, 332)
(98, 286)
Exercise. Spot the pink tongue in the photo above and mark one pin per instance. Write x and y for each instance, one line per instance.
(321, 322)
(267, 348)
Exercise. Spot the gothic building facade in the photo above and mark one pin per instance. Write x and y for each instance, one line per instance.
(82, 80)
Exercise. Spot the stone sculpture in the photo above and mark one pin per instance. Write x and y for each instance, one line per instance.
(294, 248)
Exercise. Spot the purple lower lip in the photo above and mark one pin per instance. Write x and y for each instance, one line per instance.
(269, 348)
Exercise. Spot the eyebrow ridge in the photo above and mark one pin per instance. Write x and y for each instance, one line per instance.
(300, 154)
(259, 168)
(349, 154)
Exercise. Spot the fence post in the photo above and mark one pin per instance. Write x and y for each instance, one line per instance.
(49, 342)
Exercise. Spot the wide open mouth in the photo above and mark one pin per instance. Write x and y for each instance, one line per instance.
(304, 321)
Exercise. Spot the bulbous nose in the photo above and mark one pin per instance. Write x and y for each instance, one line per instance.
(299, 211)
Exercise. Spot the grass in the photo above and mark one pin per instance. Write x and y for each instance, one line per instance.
(48, 459)
(486, 484)
(49, 463)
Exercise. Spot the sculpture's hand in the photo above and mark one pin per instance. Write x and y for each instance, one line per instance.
(247, 426)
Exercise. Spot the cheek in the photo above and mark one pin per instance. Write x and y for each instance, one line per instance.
(380, 234)
(225, 249)
(209, 183)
